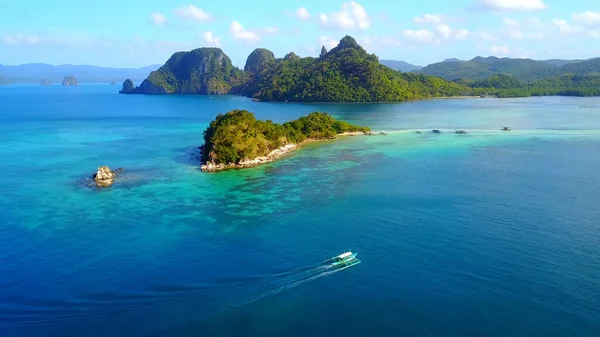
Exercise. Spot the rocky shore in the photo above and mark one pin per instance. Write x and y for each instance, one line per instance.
(210, 167)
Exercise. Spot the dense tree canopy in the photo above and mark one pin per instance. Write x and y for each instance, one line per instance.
(238, 135)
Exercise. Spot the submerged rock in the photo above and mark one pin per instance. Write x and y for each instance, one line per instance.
(105, 177)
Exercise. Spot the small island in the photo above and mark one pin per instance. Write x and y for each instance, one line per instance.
(69, 81)
(237, 139)
(46, 81)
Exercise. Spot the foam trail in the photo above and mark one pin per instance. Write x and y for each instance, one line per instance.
(321, 274)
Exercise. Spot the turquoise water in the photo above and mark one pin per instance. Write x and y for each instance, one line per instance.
(486, 234)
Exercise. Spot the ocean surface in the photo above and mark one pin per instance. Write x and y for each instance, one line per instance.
(486, 234)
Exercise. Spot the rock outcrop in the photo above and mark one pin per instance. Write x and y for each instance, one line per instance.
(211, 167)
(69, 81)
(205, 71)
(105, 177)
(128, 87)
(259, 61)
(46, 81)
(323, 51)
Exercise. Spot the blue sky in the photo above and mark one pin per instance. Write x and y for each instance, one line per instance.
(140, 32)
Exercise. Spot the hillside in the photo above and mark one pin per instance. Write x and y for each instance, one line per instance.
(400, 65)
(481, 68)
(527, 70)
(347, 73)
(563, 85)
(36, 72)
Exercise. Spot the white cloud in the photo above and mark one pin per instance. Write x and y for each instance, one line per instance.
(462, 34)
(328, 42)
(302, 13)
(428, 18)
(529, 29)
(499, 50)
(564, 27)
(510, 5)
(444, 30)
(587, 18)
(158, 19)
(21, 40)
(238, 32)
(193, 13)
(211, 40)
(352, 16)
(271, 30)
(422, 35)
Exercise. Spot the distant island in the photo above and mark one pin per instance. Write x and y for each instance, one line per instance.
(46, 81)
(347, 73)
(34, 73)
(69, 81)
(237, 139)
(400, 65)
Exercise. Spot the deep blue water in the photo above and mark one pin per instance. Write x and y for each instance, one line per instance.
(488, 234)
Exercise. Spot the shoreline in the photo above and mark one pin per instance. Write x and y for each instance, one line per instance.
(272, 156)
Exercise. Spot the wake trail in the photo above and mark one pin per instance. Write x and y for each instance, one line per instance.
(287, 276)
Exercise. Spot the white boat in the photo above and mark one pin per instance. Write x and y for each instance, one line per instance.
(344, 258)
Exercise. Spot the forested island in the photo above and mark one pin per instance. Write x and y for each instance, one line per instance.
(347, 73)
(237, 139)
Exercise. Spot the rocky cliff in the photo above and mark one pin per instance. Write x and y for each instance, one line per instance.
(200, 71)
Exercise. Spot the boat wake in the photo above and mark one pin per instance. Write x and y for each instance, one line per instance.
(264, 285)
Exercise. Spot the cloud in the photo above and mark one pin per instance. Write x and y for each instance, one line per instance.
(158, 19)
(302, 13)
(422, 35)
(486, 36)
(352, 16)
(444, 30)
(500, 50)
(21, 40)
(564, 27)
(211, 40)
(510, 5)
(462, 34)
(429, 18)
(193, 13)
(238, 32)
(587, 18)
(530, 29)
(328, 42)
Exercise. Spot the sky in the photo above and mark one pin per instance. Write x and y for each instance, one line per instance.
(136, 33)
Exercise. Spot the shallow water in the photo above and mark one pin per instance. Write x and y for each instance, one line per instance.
(490, 233)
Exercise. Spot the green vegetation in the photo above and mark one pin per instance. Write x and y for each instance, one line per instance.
(238, 135)
(200, 71)
(481, 68)
(566, 85)
(347, 73)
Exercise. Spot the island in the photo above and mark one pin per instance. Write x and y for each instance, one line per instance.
(238, 140)
(46, 81)
(69, 81)
(346, 73)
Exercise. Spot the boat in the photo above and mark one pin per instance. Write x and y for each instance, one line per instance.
(418, 131)
(461, 132)
(436, 131)
(344, 258)
(506, 128)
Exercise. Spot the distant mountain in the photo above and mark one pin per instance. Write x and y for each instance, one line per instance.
(452, 60)
(560, 63)
(481, 68)
(36, 72)
(400, 65)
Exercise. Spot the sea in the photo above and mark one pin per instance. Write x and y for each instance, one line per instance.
(489, 233)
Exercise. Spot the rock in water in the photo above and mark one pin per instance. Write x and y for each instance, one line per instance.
(46, 81)
(104, 177)
(128, 87)
(69, 81)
